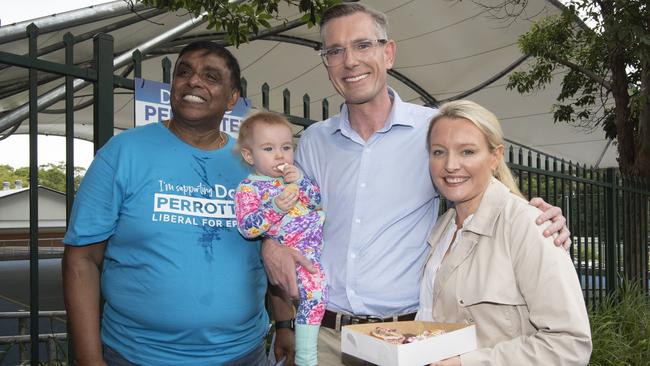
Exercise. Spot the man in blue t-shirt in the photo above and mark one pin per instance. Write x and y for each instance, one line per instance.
(155, 217)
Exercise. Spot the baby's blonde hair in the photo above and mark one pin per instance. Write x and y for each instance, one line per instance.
(248, 125)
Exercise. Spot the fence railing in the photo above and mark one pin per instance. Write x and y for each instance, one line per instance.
(22, 243)
(608, 216)
(56, 347)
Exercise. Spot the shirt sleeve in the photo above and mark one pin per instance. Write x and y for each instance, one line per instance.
(563, 336)
(254, 215)
(96, 208)
(303, 157)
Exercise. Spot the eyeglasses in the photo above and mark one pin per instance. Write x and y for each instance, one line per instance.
(334, 56)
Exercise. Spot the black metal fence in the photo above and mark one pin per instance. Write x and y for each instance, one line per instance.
(56, 353)
(608, 216)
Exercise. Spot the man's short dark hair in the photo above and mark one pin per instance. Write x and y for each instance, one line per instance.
(345, 9)
(219, 51)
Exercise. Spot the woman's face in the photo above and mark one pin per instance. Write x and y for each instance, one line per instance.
(461, 162)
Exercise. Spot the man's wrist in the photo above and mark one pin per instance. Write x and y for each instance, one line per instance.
(285, 324)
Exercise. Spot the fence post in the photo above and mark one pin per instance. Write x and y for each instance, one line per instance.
(325, 109)
(137, 63)
(286, 101)
(103, 90)
(23, 353)
(244, 86)
(32, 32)
(612, 244)
(166, 70)
(265, 96)
(51, 350)
(305, 105)
(68, 40)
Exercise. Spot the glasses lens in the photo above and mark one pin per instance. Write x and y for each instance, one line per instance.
(334, 56)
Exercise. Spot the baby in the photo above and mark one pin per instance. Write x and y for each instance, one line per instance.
(279, 202)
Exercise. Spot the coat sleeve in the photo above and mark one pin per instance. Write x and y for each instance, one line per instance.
(548, 283)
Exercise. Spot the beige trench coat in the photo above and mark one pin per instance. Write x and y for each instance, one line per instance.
(520, 290)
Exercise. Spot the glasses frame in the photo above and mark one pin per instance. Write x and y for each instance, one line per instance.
(374, 43)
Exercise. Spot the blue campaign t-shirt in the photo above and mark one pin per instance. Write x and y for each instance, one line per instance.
(182, 287)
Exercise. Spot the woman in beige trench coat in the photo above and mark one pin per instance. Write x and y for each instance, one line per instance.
(490, 264)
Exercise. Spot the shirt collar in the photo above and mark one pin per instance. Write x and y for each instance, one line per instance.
(399, 115)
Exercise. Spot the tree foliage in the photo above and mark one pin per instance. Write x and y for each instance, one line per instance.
(49, 175)
(241, 19)
(605, 71)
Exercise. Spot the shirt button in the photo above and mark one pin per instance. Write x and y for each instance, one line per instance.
(352, 292)
(461, 302)
(353, 255)
(362, 185)
(358, 221)
(368, 150)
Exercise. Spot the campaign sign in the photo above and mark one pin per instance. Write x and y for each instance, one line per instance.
(151, 102)
(232, 119)
(152, 105)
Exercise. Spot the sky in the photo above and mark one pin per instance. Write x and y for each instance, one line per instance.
(14, 150)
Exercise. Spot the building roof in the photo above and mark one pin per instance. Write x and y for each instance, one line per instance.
(15, 212)
(11, 192)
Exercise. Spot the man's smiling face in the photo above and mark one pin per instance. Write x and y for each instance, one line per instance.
(201, 90)
(359, 78)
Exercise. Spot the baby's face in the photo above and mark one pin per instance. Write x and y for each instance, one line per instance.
(271, 146)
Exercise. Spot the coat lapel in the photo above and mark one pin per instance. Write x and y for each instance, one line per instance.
(482, 224)
(457, 255)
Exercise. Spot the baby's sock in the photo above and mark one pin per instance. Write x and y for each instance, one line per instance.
(307, 344)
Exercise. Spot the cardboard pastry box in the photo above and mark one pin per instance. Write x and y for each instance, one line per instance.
(458, 338)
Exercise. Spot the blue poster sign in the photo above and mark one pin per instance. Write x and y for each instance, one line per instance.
(152, 105)
(151, 101)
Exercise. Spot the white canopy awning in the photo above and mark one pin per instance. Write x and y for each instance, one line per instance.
(445, 49)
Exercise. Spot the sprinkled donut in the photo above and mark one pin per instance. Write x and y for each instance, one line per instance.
(393, 336)
(388, 335)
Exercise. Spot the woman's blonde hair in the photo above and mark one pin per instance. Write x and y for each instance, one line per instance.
(488, 124)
